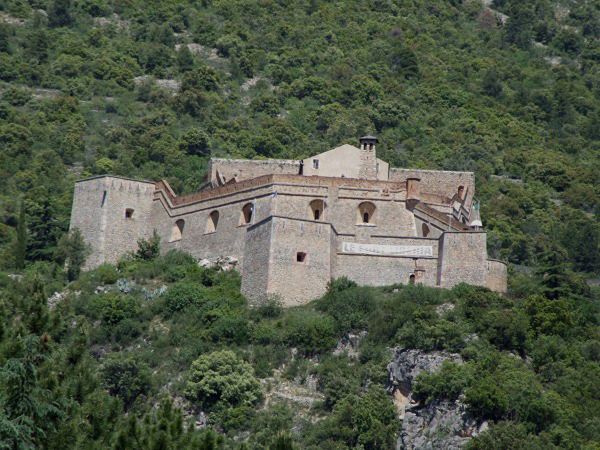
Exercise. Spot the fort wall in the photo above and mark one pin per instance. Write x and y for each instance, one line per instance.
(497, 276)
(243, 169)
(292, 233)
(257, 248)
(444, 183)
(462, 259)
(112, 213)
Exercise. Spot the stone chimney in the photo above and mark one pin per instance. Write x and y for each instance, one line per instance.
(368, 158)
(413, 192)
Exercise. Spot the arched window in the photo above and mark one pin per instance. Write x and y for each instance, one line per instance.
(425, 229)
(366, 213)
(212, 222)
(177, 230)
(411, 279)
(317, 210)
(246, 214)
(461, 192)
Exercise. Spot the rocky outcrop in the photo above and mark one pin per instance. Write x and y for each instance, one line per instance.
(408, 363)
(349, 344)
(225, 263)
(440, 424)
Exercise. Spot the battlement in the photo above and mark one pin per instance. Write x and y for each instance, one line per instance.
(295, 225)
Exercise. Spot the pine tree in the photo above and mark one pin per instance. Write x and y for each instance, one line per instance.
(21, 243)
(185, 60)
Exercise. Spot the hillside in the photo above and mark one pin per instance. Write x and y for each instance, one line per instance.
(507, 89)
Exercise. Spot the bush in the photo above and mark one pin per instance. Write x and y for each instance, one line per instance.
(107, 274)
(310, 331)
(148, 249)
(446, 383)
(181, 295)
(486, 399)
(222, 378)
(115, 308)
(126, 378)
(350, 306)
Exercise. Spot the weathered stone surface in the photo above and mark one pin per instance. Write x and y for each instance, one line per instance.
(438, 425)
(262, 215)
(349, 344)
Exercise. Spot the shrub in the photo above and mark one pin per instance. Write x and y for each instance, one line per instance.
(446, 383)
(107, 274)
(126, 378)
(148, 249)
(310, 331)
(350, 306)
(486, 399)
(181, 295)
(115, 308)
(222, 378)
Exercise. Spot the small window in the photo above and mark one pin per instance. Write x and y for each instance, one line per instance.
(461, 192)
(316, 209)
(300, 257)
(246, 214)
(411, 279)
(103, 199)
(129, 213)
(177, 230)
(212, 222)
(366, 211)
(425, 230)
(315, 163)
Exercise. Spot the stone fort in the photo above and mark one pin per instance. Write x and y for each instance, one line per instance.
(296, 225)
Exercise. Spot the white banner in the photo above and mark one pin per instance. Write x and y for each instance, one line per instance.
(387, 250)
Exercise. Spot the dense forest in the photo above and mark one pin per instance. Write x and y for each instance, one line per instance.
(160, 353)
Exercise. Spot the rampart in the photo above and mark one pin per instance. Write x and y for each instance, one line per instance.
(293, 232)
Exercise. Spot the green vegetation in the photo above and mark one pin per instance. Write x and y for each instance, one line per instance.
(106, 364)
(117, 360)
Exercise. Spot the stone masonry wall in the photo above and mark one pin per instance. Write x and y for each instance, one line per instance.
(462, 259)
(497, 276)
(244, 169)
(257, 251)
(444, 183)
(229, 237)
(299, 281)
(373, 270)
(99, 206)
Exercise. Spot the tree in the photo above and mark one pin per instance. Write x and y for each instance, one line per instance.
(21, 242)
(491, 84)
(72, 250)
(126, 378)
(195, 142)
(222, 378)
(59, 14)
(148, 249)
(185, 59)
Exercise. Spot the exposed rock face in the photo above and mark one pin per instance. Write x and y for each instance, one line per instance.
(438, 425)
(225, 263)
(407, 364)
(349, 344)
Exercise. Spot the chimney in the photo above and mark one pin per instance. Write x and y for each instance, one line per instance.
(475, 218)
(368, 158)
(413, 192)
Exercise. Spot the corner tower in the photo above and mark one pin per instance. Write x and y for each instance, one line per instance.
(112, 213)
